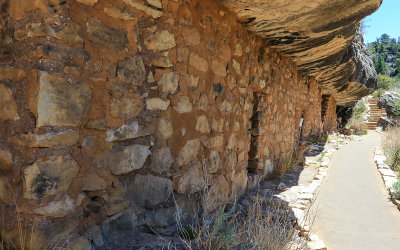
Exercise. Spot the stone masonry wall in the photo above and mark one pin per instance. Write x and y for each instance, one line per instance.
(112, 113)
(329, 113)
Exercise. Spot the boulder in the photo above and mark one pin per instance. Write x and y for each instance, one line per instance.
(8, 107)
(130, 131)
(61, 103)
(149, 190)
(61, 207)
(49, 176)
(161, 160)
(5, 158)
(101, 35)
(123, 222)
(126, 159)
(388, 101)
(189, 152)
(192, 181)
(132, 70)
(159, 40)
(58, 139)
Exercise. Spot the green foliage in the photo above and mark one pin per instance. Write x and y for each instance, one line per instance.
(385, 54)
(359, 109)
(385, 82)
(396, 190)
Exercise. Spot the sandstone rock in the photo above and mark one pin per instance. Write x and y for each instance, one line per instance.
(149, 190)
(11, 74)
(268, 167)
(130, 131)
(236, 66)
(159, 40)
(120, 223)
(189, 152)
(191, 37)
(165, 128)
(203, 102)
(132, 70)
(125, 107)
(160, 59)
(147, 10)
(150, 77)
(99, 124)
(5, 192)
(218, 193)
(183, 55)
(169, 83)
(5, 158)
(213, 163)
(232, 141)
(165, 219)
(80, 243)
(101, 35)
(116, 208)
(192, 181)
(130, 158)
(62, 207)
(155, 3)
(93, 182)
(157, 104)
(184, 105)
(118, 13)
(216, 142)
(18, 8)
(193, 81)
(94, 235)
(8, 107)
(61, 103)
(161, 160)
(218, 68)
(88, 2)
(239, 184)
(198, 62)
(49, 176)
(202, 125)
(57, 139)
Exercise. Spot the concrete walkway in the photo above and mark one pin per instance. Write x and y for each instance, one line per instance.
(353, 209)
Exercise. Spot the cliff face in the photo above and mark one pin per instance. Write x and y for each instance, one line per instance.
(317, 35)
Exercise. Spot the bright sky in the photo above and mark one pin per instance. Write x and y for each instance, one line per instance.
(385, 20)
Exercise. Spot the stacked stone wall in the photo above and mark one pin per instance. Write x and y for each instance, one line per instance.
(116, 112)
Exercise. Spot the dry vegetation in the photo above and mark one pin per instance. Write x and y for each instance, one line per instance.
(258, 225)
(391, 146)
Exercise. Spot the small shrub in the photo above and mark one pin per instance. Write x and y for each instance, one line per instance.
(391, 147)
(262, 224)
(396, 190)
(359, 109)
(377, 93)
(385, 82)
(358, 125)
(291, 160)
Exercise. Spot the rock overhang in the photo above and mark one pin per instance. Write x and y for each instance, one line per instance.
(321, 37)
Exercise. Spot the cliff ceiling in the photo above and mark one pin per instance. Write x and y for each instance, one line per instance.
(319, 35)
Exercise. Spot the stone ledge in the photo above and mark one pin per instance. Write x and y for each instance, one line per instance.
(388, 175)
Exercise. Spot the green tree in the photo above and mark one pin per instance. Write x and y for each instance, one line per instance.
(381, 67)
(385, 82)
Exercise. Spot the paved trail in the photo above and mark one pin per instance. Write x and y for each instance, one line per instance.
(353, 206)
